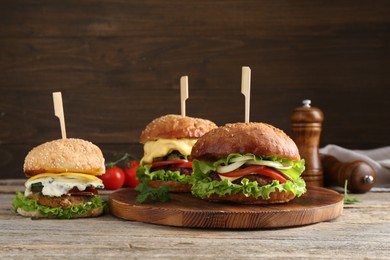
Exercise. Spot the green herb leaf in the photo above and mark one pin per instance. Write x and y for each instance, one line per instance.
(349, 199)
(153, 194)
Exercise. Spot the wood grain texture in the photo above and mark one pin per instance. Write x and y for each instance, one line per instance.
(118, 65)
(184, 210)
(361, 232)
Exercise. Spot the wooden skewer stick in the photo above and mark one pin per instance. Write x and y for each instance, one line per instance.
(246, 90)
(59, 111)
(183, 94)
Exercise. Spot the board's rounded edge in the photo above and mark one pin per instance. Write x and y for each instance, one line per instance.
(227, 220)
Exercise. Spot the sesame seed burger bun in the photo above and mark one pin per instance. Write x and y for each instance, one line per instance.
(65, 155)
(255, 138)
(175, 127)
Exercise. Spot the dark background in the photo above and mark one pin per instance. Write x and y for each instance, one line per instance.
(118, 65)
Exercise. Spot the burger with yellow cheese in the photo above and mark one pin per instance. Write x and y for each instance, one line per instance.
(62, 181)
(250, 163)
(168, 141)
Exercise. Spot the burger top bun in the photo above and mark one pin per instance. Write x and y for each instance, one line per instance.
(175, 127)
(65, 155)
(254, 138)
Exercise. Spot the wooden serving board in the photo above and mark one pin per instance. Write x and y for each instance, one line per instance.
(184, 210)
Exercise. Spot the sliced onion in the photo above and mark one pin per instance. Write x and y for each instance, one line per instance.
(230, 167)
(237, 162)
(242, 158)
(276, 165)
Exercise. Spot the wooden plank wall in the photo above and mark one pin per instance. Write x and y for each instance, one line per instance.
(118, 64)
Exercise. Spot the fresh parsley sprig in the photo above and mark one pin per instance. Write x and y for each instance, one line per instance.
(349, 199)
(153, 194)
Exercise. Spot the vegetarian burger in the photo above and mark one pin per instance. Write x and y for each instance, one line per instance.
(168, 141)
(62, 180)
(251, 163)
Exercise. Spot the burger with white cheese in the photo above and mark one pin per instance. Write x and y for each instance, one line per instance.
(62, 180)
(168, 141)
(250, 163)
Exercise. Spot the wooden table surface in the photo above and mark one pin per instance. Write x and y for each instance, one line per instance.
(361, 232)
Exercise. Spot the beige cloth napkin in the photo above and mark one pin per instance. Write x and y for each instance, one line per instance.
(378, 158)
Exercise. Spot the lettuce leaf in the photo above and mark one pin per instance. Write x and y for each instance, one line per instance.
(144, 173)
(20, 201)
(204, 186)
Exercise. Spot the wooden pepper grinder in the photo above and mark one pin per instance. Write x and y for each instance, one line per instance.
(360, 175)
(306, 123)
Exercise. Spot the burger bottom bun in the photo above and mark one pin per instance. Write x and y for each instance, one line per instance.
(36, 214)
(176, 187)
(275, 197)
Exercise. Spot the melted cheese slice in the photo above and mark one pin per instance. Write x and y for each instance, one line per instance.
(162, 147)
(58, 184)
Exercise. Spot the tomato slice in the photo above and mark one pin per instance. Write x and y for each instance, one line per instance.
(185, 165)
(260, 169)
(183, 162)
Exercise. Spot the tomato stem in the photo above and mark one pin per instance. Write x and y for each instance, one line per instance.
(126, 156)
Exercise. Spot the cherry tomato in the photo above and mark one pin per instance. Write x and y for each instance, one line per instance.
(113, 178)
(131, 174)
(263, 170)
